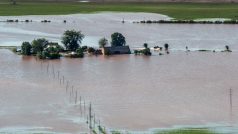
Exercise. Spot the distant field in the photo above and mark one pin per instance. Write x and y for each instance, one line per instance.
(175, 10)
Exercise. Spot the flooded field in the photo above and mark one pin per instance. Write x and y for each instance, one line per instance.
(96, 26)
(127, 92)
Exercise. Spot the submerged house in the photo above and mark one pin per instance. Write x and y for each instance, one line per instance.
(118, 45)
(116, 50)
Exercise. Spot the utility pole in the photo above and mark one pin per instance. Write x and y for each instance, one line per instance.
(58, 74)
(231, 105)
(90, 116)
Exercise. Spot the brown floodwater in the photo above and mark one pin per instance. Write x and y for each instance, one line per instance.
(127, 92)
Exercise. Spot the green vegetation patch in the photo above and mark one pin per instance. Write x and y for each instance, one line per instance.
(187, 131)
(175, 10)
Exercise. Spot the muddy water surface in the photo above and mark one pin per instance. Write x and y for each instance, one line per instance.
(127, 92)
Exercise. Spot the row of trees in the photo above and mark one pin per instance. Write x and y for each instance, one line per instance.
(42, 48)
(72, 40)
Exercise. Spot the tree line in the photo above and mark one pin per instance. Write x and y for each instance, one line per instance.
(71, 40)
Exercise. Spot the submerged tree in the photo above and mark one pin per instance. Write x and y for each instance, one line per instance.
(166, 47)
(80, 53)
(38, 45)
(91, 50)
(118, 39)
(145, 51)
(72, 39)
(103, 42)
(227, 48)
(145, 45)
(26, 48)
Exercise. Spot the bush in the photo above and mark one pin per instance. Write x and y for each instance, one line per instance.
(84, 48)
(80, 53)
(98, 51)
(91, 50)
(107, 52)
(136, 52)
(54, 56)
(146, 52)
(41, 55)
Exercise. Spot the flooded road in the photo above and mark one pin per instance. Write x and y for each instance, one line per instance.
(127, 92)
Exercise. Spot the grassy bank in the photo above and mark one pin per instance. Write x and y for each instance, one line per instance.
(175, 10)
(188, 131)
(7, 47)
(180, 131)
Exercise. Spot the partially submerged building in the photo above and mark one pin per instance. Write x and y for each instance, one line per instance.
(116, 50)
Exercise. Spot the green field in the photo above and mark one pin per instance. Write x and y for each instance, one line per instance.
(188, 131)
(181, 131)
(175, 10)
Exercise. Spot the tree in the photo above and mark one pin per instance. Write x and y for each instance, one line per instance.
(72, 39)
(145, 45)
(118, 39)
(103, 42)
(227, 48)
(38, 45)
(166, 47)
(26, 48)
(57, 48)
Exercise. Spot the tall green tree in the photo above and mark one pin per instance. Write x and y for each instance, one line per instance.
(103, 42)
(26, 48)
(72, 39)
(145, 45)
(118, 39)
(38, 45)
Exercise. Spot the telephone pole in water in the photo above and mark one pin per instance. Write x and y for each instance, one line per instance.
(231, 106)
(90, 116)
